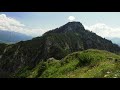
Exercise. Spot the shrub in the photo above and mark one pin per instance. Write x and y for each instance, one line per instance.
(85, 59)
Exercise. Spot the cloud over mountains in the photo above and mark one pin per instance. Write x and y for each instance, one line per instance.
(11, 24)
(104, 30)
(71, 18)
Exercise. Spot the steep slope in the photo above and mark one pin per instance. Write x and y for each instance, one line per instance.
(75, 37)
(85, 64)
(115, 40)
(12, 37)
(56, 43)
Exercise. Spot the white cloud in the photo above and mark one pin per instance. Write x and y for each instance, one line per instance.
(8, 21)
(71, 18)
(35, 32)
(11, 24)
(104, 30)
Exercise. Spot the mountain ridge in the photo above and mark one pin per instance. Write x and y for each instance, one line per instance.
(67, 27)
(56, 43)
(12, 37)
(91, 63)
(114, 40)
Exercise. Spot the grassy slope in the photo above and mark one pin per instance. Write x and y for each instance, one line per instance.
(86, 64)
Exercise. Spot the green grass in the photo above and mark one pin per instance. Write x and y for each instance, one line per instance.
(85, 64)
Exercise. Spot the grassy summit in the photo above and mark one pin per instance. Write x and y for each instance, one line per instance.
(90, 63)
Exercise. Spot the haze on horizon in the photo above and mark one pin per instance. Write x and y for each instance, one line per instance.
(105, 24)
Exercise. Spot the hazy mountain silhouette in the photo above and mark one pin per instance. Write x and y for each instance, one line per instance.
(12, 37)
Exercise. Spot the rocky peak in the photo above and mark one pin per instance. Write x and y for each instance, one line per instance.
(74, 24)
(70, 26)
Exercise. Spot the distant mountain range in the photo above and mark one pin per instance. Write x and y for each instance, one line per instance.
(56, 43)
(12, 37)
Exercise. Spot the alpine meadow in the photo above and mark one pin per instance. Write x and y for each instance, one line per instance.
(37, 46)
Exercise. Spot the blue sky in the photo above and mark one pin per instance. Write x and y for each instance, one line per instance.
(96, 21)
(59, 18)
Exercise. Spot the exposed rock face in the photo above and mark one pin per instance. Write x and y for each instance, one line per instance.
(56, 43)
